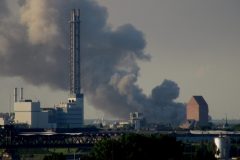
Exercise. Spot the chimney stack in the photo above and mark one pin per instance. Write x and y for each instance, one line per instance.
(74, 54)
(15, 95)
(21, 94)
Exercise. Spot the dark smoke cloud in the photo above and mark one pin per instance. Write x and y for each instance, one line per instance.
(163, 97)
(165, 93)
(34, 46)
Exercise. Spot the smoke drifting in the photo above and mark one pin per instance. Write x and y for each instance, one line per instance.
(34, 46)
(39, 21)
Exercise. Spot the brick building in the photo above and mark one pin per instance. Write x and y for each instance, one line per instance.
(197, 109)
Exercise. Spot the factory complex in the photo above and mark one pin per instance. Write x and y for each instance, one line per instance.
(28, 113)
(64, 115)
(70, 114)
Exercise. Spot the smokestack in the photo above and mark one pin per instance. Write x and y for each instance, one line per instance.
(21, 94)
(15, 95)
(74, 53)
(110, 57)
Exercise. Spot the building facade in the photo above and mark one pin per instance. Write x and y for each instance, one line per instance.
(65, 115)
(27, 112)
(74, 108)
(30, 113)
(136, 119)
(197, 110)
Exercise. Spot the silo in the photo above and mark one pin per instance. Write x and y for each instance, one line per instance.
(222, 147)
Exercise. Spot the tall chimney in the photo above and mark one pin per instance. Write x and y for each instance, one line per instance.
(15, 95)
(21, 94)
(74, 53)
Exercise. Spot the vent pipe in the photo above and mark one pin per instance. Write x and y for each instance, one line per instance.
(15, 95)
(21, 94)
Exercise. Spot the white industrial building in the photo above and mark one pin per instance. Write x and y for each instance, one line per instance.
(29, 112)
(64, 115)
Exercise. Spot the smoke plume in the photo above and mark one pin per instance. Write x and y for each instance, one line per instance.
(34, 46)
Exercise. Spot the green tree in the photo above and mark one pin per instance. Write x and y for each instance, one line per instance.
(205, 151)
(138, 147)
(55, 156)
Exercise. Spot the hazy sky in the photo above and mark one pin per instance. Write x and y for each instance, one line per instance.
(194, 43)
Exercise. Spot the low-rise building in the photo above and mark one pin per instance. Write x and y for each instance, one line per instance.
(29, 112)
(136, 119)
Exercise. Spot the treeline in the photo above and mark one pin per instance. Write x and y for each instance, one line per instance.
(144, 147)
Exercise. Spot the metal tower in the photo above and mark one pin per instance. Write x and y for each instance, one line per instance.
(74, 57)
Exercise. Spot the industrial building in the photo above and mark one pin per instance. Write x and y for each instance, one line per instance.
(30, 113)
(197, 110)
(67, 115)
(136, 119)
(72, 112)
(6, 119)
(63, 115)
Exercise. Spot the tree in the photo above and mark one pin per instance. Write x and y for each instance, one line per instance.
(55, 156)
(138, 147)
(205, 151)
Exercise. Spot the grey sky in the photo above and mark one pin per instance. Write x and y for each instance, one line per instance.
(195, 43)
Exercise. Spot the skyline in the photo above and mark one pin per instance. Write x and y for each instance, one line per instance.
(177, 33)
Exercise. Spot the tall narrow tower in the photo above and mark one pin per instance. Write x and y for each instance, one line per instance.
(74, 117)
(74, 57)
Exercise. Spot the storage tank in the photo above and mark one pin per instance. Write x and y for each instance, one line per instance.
(222, 147)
